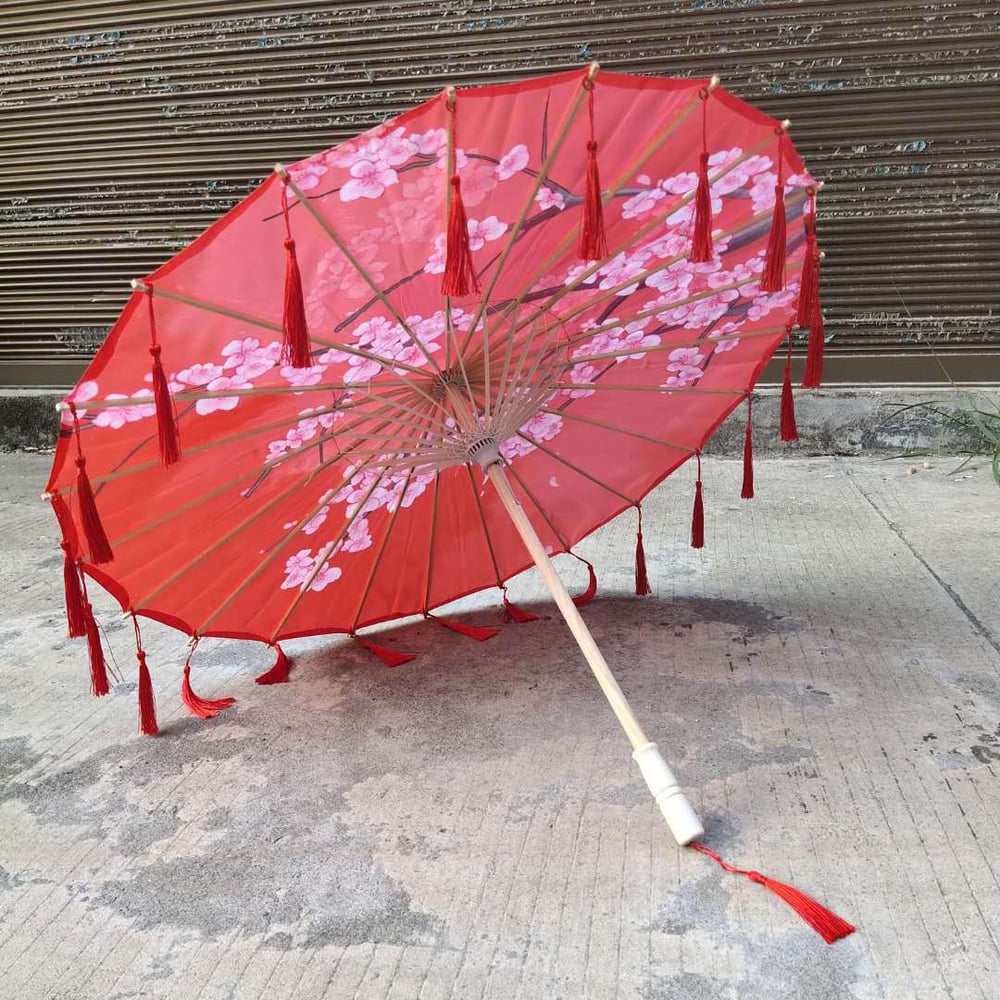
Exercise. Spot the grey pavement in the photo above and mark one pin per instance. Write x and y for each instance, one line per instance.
(824, 676)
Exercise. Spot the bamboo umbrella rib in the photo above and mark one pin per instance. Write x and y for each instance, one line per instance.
(541, 510)
(211, 307)
(430, 544)
(486, 530)
(286, 538)
(611, 193)
(229, 535)
(329, 550)
(378, 558)
(191, 395)
(613, 291)
(703, 341)
(619, 430)
(664, 390)
(575, 468)
(561, 135)
(209, 445)
(358, 266)
(642, 232)
(259, 513)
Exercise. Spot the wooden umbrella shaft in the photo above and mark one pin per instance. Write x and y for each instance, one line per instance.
(680, 817)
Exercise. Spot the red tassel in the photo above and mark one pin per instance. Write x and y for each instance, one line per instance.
(698, 514)
(147, 703)
(295, 345)
(642, 587)
(747, 492)
(813, 374)
(591, 592)
(459, 276)
(825, 922)
(388, 656)
(512, 613)
(593, 243)
(166, 421)
(98, 669)
(278, 674)
(76, 619)
(97, 540)
(478, 632)
(773, 278)
(789, 432)
(809, 292)
(702, 251)
(204, 708)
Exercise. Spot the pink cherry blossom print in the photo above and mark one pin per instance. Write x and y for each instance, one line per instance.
(297, 569)
(303, 376)
(307, 175)
(327, 575)
(549, 198)
(83, 392)
(206, 406)
(512, 162)
(642, 203)
(685, 375)
(483, 231)
(368, 180)
(118, 416)
(199, 374)
(478, 180)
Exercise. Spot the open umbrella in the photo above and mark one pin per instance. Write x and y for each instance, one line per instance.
(406, 368)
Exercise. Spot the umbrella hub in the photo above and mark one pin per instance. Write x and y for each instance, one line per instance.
(453, 377)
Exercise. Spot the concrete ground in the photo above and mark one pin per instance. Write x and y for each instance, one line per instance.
(824, 675)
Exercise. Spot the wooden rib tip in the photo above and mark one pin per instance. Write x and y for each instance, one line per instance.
(62, 407)
(138, 285)
(449, 94)
(592, 69)
(46, 496)
(786, 124)
(713, 83)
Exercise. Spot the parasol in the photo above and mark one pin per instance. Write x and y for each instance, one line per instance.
(409, 367)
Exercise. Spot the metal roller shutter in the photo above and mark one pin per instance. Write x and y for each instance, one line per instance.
(128, 126)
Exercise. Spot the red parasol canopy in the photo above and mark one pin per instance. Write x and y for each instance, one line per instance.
(405, 368)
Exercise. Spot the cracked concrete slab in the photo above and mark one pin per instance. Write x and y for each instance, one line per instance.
(823, 676)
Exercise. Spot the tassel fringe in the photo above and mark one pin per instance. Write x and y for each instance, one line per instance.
(512, 613)
(773, 278)
(591, 592)
(388, 656)
(788, 430)
(698, 514)
(278, 674)
(98, 668)
(642, 587)
(295, 345)
(809, 292)
(166, 420)
(147, 702)
(478, 632)
(747, 492)
(812, 377)
(97, 540)
(459, 276)
(824, 921)
(76, 619)
(204, 708)
(702, 251)
(593, 243)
